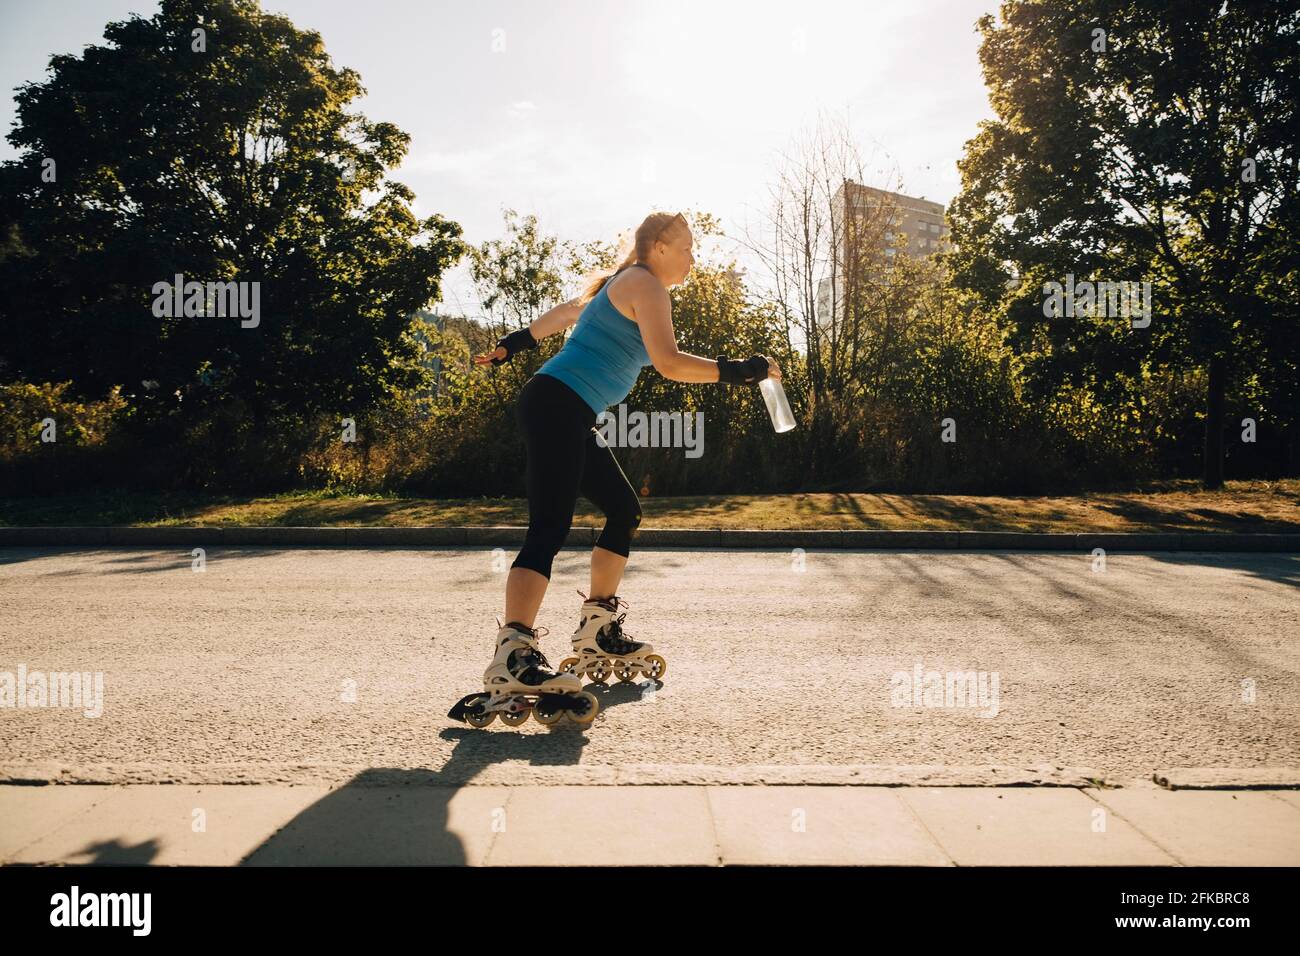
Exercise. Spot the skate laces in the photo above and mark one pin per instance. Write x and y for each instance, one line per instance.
(535, 658)
(619, 640)
(618, 634)
(535, 667)
(531, 654)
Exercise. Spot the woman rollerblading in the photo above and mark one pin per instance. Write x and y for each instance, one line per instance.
(624, 323)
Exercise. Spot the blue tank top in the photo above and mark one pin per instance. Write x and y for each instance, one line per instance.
(603, 355)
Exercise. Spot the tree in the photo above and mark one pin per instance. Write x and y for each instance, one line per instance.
(1142, 140)
(826, 248)
(212, 141)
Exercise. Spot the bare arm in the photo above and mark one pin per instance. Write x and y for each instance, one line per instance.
(556, 320)
(653, 311)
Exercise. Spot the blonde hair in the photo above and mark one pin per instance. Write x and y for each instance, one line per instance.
(656, 226)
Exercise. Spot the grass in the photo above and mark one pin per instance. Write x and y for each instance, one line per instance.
(1257, 506)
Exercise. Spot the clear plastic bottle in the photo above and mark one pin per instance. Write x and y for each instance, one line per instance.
(778, 407)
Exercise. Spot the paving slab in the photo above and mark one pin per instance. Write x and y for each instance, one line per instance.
(1291, 797)
(29, 813)
(167, 825)
(1027, 826)
(606, 826)
(1212, 827)
(820, 826)
(390, 826)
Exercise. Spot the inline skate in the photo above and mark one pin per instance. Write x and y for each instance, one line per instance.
(518, 683)
(602, 648)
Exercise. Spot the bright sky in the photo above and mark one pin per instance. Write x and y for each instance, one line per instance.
(591, 115)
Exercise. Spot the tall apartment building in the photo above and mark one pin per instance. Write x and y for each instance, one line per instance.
(916, 226)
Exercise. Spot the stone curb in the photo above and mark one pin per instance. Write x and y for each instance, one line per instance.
(653, 538)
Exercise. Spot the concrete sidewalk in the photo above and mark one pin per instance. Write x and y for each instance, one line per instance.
(647, 825)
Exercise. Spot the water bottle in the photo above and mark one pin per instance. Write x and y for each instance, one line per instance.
(778, 408)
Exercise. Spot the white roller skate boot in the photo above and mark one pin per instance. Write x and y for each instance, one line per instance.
(601, 647)
(518, 682)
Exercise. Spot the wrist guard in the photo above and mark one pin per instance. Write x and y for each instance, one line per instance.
(513, 343)
(748, 372)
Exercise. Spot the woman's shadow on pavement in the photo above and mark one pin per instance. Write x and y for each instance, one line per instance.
(388, 816)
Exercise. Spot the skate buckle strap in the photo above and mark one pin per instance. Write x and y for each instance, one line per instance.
(529, 633)
(614, 602)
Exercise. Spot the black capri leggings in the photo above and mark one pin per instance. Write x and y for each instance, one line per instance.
(565, 460)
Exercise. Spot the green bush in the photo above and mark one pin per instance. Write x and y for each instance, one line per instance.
(50, 442)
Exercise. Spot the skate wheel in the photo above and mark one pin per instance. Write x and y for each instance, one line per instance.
(463, 711)
(587, 716)
(598, 673)
(544, 715)
(513, 718)
(567, 665)
(626, 674)
(658, 667)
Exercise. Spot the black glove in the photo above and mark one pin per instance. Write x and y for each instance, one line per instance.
(516, 341)
(752, 370)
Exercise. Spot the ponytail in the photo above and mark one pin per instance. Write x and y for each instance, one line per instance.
(656, 226)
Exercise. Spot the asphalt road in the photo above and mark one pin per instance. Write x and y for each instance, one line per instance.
(314, 665)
